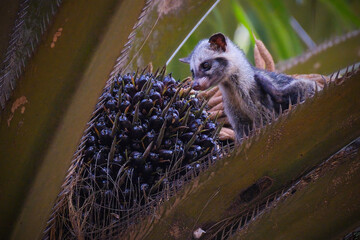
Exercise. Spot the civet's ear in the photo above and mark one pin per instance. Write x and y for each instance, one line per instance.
(218, 42)
(185, 60)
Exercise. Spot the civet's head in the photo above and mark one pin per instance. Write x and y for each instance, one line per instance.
(209, 61)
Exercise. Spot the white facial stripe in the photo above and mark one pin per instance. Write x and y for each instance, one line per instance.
(200, 53)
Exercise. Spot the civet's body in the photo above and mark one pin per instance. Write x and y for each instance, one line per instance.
(249, 94)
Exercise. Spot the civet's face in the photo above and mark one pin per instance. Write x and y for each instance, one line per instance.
(207, 63)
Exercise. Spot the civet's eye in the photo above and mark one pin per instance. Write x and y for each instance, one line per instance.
(206, 66)
(192, 72)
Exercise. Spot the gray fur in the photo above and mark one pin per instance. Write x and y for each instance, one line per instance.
(249, 94)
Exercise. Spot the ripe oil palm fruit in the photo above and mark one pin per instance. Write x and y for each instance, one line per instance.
(149, 134)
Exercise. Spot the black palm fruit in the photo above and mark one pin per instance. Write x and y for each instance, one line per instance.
(138, 97)
(91, 140)
(136, 158)
(137, 131)
(124, 122)
(100, 124)
(111, 104)
(123, 138)
(140, 82)
(124, 104)
(154, 158)
(125, 79)
(105, 136)
(130, 89)
(146, 127)
(156, 121)
(158, 87)
(145, 105)
(169, 80)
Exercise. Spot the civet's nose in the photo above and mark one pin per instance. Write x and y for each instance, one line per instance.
(196, 85)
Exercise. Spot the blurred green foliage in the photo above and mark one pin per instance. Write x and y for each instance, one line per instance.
(270, 21)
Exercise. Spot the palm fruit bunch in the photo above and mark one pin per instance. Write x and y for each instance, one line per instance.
(148, 128)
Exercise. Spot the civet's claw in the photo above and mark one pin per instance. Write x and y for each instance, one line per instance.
(290, 104)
